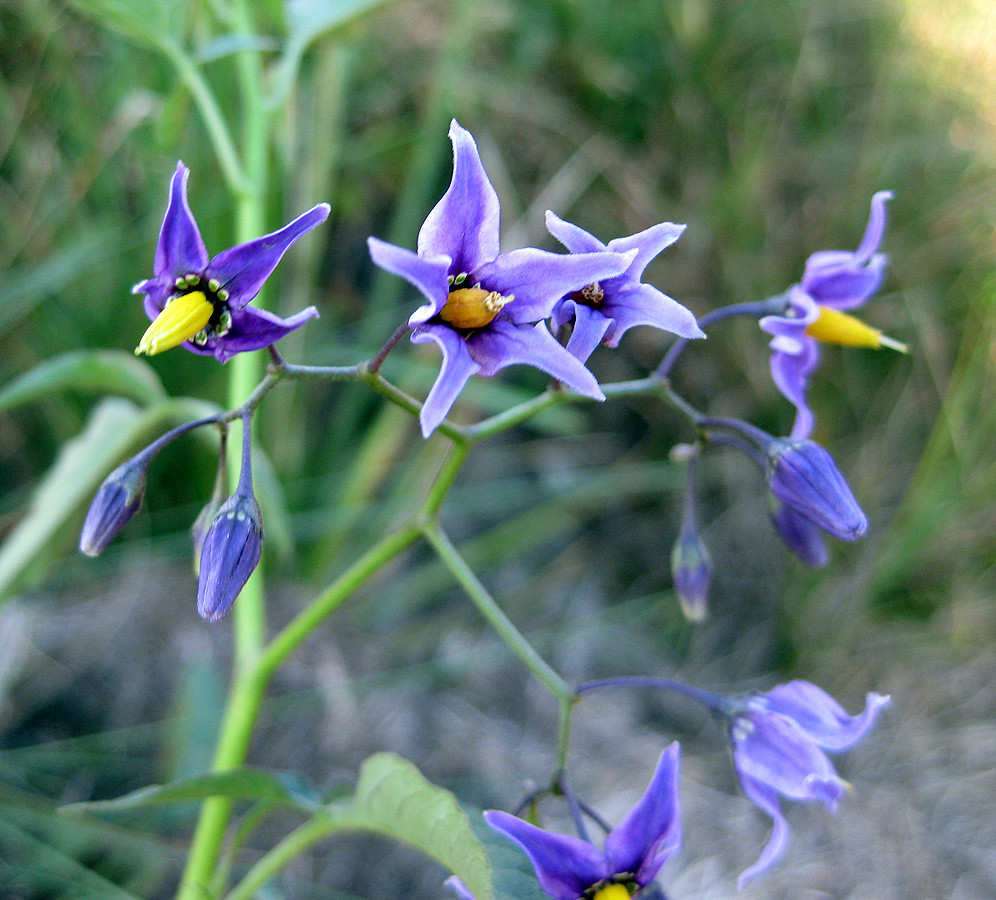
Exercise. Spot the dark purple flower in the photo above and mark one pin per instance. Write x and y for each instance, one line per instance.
(833, 282)
(778, 739)
(603, 311)
(485, 310)
(119, 498)
(803, 476)
(201, 302)
(569, 868)
(233, 544)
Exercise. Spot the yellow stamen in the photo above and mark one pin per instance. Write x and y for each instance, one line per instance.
(178, 322)
(835, 327)
(472, 307)
(611, 892)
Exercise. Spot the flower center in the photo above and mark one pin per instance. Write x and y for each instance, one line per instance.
(197, 312)
(469, 308)
(611, 890)
(835, 327)
(590, 295)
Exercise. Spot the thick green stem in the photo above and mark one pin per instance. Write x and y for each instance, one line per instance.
(487, 606)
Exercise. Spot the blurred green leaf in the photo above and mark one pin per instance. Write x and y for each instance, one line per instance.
(97, 371)
(115, 428)
(513, 876)
(237, 784)
(273, 503)
(394, 799)
(156, 23)
(307, 20)
(230, 44)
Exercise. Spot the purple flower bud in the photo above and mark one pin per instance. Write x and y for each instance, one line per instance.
(691, 569)
(202, 525)
(805, 478)
(119, 498)
(800, 535)
(231, 552)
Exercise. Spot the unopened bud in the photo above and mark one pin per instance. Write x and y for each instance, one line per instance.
(230, 553)
(119, 498)
(691, 569)
(804, 477)
(800, 535)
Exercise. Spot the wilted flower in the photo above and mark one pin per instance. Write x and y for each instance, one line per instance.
(120, 496)
(803, 476)
(201, 302)
(569, 868)
(486, 309)
(778, 739)
(833, 281)
(233, 544)
(603, 311)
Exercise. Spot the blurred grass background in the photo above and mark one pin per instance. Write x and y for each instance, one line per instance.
(766, 126)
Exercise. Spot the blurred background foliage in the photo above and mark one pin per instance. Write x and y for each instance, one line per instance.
(765, 125)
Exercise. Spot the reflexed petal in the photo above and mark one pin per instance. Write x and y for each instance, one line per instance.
(464, 224)
(180, 249)
(253, 329)
(821, 717)
(589, 329)
(648, 245)
(651, 830)
(566, 866)
(645, 305)
(243, 269)
(790, 372)
(767, 800)
(575, 239)
(875, 229)
(504, 343)
(457, 367)
(771, 748)
(427, 273)
(538, 278)
(844, 287)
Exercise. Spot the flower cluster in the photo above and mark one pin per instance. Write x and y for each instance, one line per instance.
(486, 310)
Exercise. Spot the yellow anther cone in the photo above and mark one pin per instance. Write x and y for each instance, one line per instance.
(835, 327)
(178, 322)
(472, 307)
(612, 892)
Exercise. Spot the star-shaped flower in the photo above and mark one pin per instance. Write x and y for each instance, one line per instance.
(200, 302)
(778, 739)
(485, 309)
(603, 311)
(569, 868)
(834, 281)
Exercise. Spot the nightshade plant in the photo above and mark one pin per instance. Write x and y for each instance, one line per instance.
(485, 310)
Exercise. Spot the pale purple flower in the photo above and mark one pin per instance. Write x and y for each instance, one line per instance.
(225, 283)
(485, 310)
(603, 311)
(569, 868)
(778, 739)
(833, 279)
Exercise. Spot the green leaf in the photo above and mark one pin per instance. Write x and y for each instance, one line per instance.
(307, 20)
(394, 799)
(156, 23)
(115, 428)
(97, 371)
(237, 784)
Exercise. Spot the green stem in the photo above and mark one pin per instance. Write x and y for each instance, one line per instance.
(221, 137)
(487, 606)
(279, 856)
(564, 731)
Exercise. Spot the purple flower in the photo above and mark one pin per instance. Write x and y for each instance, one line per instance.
(485, 310)
(603, 311)
(569, 868)
(119, 498)
(800, 535)
(803, 476)
(778, 739)
(201, 302)
(233, 544)
(833, 282)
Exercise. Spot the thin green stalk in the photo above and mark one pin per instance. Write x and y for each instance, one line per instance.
(279, 856)
(487, 606)
(444, 481)
(564, 731)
